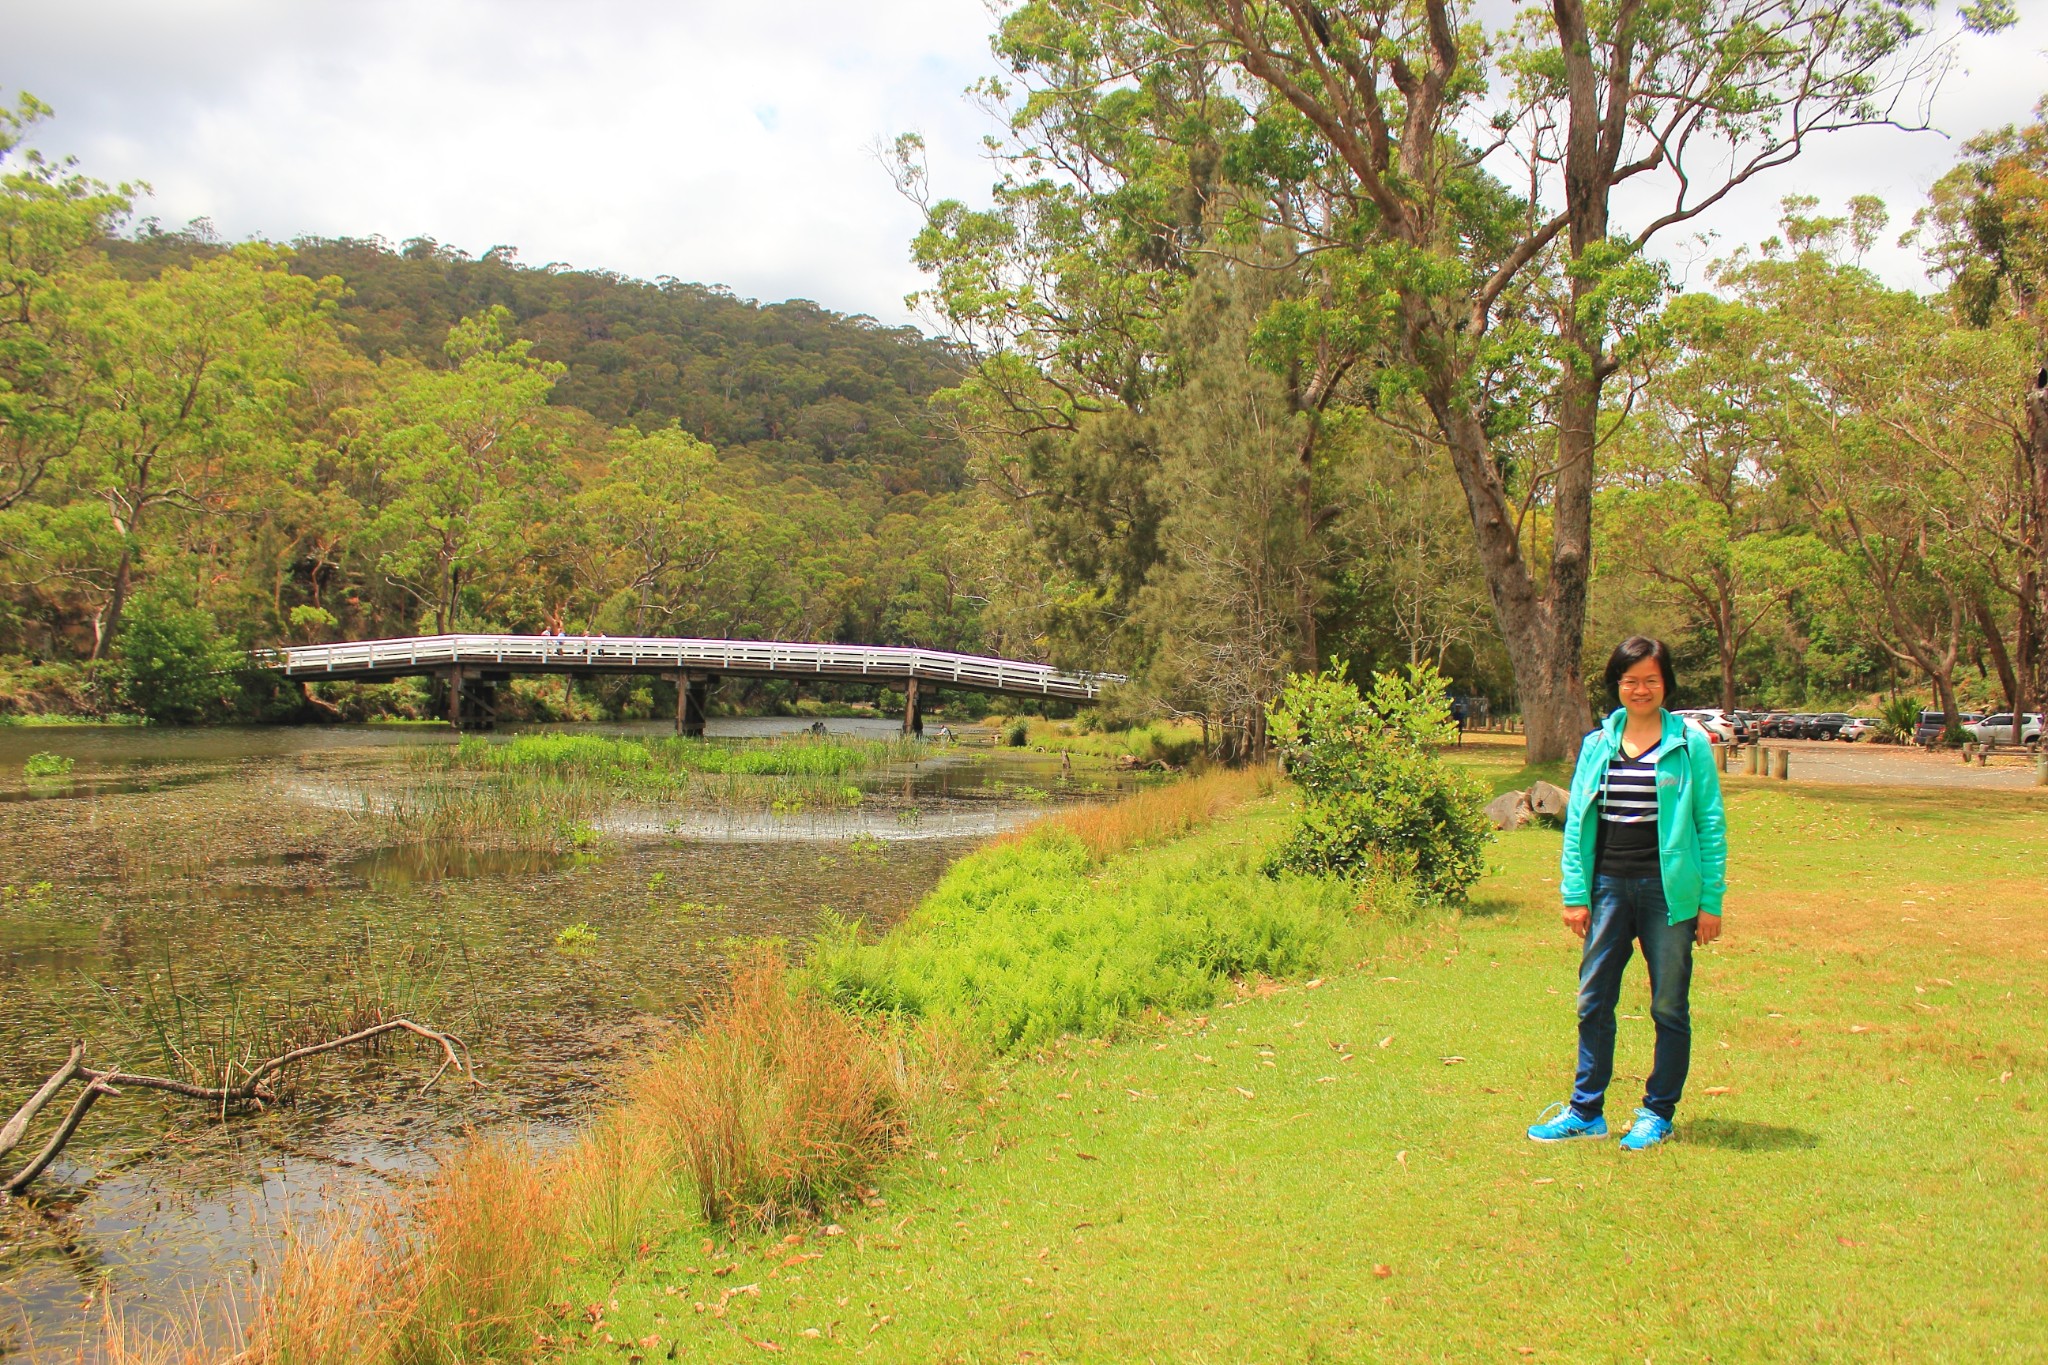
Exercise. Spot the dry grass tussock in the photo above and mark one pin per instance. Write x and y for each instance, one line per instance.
(460, 1271)
(1162, 813)
(779, 1103)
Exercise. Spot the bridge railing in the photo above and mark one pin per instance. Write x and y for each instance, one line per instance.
(659, 653)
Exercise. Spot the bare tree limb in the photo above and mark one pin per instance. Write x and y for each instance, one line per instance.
(250, 1090)
(10, 1136)
(80, 1107)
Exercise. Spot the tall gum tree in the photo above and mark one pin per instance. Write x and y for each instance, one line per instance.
(1461, 180)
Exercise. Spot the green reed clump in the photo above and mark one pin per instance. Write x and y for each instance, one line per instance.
(663, 765)
(1035, 938)
(522, 810)
(210, 1028)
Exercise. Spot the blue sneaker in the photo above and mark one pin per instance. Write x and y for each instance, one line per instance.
(1560, 1123)
(1647, 1131)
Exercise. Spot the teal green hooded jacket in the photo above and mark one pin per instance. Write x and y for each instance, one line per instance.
(1692, 831)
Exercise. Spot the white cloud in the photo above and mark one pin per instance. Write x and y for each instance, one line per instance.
(728, 143)
(723, 143)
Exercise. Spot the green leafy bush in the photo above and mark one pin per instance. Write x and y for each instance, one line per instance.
(1018, 733)
(1378, 799)
(174, 668)
(46, 765)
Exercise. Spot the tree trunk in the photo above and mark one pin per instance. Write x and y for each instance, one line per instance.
(2034, 577)
(1543, 631)
(1987, 624)
(124, 573)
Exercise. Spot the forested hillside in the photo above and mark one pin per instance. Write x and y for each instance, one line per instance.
(793, 386)
(206, 447)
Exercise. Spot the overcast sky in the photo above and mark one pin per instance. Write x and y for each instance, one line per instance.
(730, 143)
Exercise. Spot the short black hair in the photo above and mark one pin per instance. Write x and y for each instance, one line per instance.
(1633, 651)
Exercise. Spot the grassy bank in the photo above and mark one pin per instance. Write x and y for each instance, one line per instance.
(1337, 1172)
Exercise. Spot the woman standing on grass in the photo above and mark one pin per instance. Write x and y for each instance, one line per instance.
(1645, 860)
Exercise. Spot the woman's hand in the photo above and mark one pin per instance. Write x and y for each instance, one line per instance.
(1707, 929)
(1579, 918)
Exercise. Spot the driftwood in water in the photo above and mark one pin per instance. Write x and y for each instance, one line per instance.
(247, 1092)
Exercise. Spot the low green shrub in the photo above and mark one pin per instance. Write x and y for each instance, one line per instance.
(1033, 939)
(1378, 800)
(46, 765)
(1017, 733)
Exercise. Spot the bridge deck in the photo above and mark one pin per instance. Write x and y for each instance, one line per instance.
(375, 660)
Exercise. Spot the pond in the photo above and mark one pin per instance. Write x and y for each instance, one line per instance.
(201, 893)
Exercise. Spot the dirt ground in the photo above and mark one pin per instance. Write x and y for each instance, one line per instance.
(1865, 764)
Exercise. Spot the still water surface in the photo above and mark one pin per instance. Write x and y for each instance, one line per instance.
(191, 886)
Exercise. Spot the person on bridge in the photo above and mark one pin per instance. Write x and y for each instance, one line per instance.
(1645, 861)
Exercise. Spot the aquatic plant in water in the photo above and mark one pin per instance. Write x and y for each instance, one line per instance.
(576, 938)
(47, 764)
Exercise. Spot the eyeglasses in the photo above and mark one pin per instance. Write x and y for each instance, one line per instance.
(1641, 685)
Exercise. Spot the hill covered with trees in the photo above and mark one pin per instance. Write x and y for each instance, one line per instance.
(224, 446)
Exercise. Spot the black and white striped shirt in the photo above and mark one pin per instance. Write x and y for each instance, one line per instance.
(1628, 815)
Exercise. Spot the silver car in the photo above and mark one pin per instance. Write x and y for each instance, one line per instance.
(1998, 729)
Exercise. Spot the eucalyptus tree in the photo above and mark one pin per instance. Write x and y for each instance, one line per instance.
(1451, 188)
(190, 379)
(1693, 511)
(51, 217)
(1889, 428)
(459, 464)
(1985, 232)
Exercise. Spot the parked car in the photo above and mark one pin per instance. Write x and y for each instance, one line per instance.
(1998, 729)
(1859, 727)
(1718, 727)
(1792, 726)
(1933, 723)
(1771, 725)
(1745, 726)
(1824, 725)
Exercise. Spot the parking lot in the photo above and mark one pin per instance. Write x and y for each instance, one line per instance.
(1867, 764)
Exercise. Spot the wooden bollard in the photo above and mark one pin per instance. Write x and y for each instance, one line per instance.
(1749, 763)
(1781, 764)
(1968, 750)
(2041, 768)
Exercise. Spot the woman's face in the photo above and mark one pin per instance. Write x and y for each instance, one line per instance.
(1642, 688)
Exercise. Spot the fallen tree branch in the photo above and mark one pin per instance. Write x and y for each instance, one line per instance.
(79, 1108)
(248, 1091)
(10, 1136)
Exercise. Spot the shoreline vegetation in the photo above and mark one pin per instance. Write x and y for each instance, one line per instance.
(956, 1170)
(802, 1084)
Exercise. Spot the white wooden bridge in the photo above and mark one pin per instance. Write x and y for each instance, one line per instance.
(472, 665)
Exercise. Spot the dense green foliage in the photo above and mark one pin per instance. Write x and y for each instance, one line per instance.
(1163, 437)
(1030, 940)
(46, 764)
(1379, 799)
(173, 666)
(342, 440)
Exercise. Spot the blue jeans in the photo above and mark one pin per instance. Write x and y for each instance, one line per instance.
(1626, 910)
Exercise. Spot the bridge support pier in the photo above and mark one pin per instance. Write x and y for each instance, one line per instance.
(693, 699)
(455, 697)
(913, 714)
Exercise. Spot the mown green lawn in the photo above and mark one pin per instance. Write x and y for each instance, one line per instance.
(1338, 1172)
